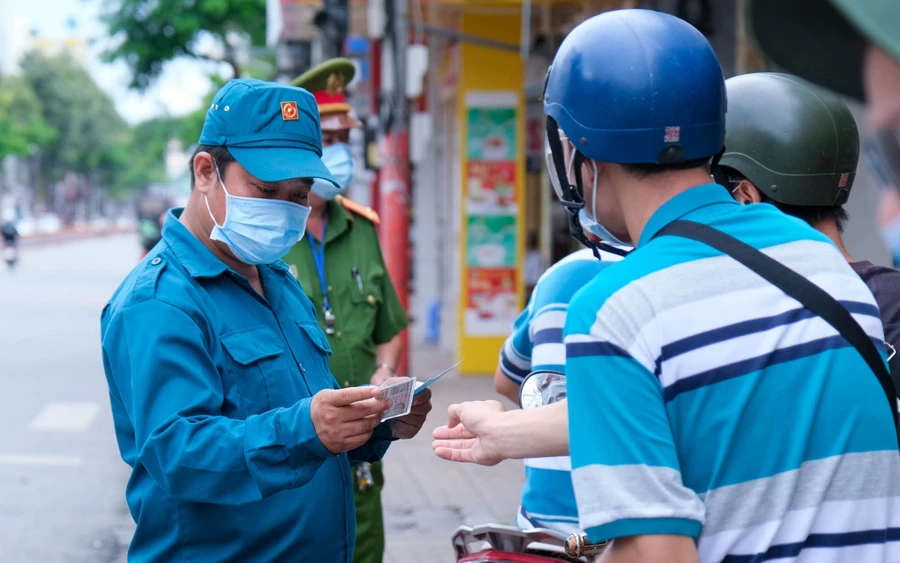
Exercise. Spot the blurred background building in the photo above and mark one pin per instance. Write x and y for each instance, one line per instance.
(449, 90)
(478, 192)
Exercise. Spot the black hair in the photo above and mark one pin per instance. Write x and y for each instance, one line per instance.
(652, 169)
(220, 155)
(808, 213)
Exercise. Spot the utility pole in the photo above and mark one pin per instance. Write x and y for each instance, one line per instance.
(394, 192)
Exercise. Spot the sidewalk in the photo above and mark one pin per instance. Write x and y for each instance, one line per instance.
(425, 498)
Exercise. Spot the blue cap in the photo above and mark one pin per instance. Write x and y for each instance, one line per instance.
(271, 129)
(638, 87)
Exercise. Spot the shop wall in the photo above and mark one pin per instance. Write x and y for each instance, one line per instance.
(491, 118)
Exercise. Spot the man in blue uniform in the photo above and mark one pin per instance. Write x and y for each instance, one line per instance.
(239, 438)
(678, 358)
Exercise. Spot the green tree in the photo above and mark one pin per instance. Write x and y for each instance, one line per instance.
(92, 138)
(148, 151)
(22, 124)
(152, 33)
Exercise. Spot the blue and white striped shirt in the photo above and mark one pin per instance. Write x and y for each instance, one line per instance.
(705, 402)
(536, 343)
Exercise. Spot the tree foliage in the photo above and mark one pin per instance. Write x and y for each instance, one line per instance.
(22, 125)
(152, 33)
(91, 138)
(90, 132)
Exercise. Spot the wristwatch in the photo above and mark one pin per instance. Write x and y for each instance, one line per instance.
(387, 367)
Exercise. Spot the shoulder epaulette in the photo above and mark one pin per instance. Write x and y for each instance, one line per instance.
(359, 209)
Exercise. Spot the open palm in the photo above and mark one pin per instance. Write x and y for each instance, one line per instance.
(467, 437)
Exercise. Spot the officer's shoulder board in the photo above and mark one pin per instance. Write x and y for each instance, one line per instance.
(359, 209)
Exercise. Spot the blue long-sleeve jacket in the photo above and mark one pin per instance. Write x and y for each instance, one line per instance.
(210, 386)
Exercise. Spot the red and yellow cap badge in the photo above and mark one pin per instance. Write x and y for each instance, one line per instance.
(289, 111)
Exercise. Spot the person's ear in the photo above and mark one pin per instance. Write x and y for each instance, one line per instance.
(205, 177)
(589, 168)
(746, 192)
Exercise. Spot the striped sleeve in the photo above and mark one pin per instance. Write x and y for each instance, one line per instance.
(515, 356)
(627, 479)
(549, 350)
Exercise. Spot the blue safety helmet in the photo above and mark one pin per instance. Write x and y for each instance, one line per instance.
(632, 87)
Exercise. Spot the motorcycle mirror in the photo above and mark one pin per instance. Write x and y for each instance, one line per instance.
(541, 388)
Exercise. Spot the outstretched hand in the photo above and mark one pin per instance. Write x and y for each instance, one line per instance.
(468, 436)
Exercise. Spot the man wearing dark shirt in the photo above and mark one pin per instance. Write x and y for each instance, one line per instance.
(794, 145)
(884, 283)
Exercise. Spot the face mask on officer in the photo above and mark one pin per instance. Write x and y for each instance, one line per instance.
(258, 230)
(339, 160)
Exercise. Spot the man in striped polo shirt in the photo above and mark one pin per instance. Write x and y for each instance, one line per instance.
(710, 416)
(536, 343)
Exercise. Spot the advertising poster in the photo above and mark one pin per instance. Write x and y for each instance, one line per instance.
(491, 308)
(492, 205)
(491, 241)
(491, 187)
(491, 133)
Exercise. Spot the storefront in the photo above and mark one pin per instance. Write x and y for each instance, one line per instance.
(486, 169)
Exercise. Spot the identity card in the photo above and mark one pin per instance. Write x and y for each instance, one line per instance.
(422, 385)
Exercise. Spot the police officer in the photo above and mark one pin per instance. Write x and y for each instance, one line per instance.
(679, 358)
(341, 268)
(795, 145)
(853, 47)
(239, 439)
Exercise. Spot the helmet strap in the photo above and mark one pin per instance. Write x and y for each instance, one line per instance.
(573, 194)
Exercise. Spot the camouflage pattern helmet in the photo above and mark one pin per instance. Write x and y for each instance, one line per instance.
(796, 142)
(824, 40)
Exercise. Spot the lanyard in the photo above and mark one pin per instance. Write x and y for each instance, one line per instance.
(319, 260)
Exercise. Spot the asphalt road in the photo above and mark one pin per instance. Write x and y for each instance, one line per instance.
(62, 481)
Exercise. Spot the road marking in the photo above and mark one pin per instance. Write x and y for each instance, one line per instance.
(49, 460)
(65, 417)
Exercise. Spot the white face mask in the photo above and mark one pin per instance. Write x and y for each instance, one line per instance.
(259, 230)
(339, 160)
(590, 223)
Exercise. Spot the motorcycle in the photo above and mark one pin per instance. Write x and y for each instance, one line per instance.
(10, 255)
(495, 543)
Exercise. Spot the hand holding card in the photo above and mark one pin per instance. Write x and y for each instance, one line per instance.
(398, 392)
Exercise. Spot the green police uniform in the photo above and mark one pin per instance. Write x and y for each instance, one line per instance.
(367, 313)
(366, 309)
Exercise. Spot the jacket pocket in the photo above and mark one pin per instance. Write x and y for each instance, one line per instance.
(315, 358)
(255, 366)
(366, 304)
